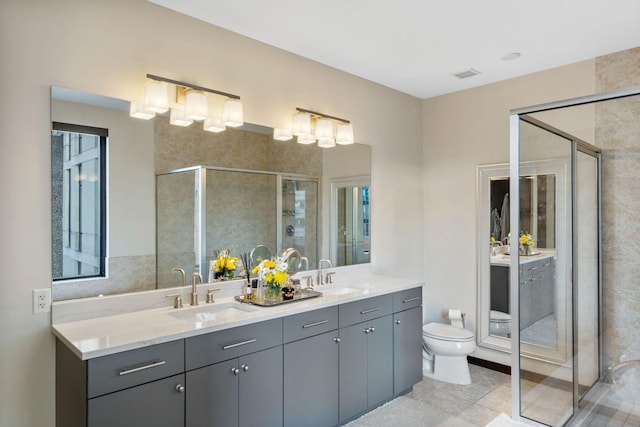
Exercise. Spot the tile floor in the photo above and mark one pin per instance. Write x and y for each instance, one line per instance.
(437, 404)
(487, 402)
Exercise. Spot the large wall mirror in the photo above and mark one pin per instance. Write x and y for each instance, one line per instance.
(544, 202)
(177, 196)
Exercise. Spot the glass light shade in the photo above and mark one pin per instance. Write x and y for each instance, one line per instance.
(214, 124)
(282, 134)
(326, 142)
(197, 106)
(232, 113)
(344, 134)
(137, 112)
(301, 124)
(156, 97)
(324, 128)
(178, 118)
(306, 138)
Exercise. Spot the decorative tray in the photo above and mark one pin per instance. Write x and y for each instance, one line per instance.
(304, 294)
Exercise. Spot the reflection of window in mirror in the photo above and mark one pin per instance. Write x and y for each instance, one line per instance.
(78, 195)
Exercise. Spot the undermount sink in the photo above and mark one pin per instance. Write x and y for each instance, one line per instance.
(210, 312)
(338, 291)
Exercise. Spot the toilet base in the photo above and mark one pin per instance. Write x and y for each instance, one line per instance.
(450, 369)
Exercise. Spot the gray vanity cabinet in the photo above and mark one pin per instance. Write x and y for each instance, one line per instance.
(156, 404)
(366, 355)
(245, 391)
(311, 369)
(407, 339)
(366, 366)
(234, 377)
(132, 388)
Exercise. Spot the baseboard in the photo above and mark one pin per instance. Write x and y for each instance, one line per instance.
(505, 369)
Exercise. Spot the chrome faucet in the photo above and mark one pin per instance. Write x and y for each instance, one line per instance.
(194, 291)
(320, 279)
(184, 276)
(305, 260)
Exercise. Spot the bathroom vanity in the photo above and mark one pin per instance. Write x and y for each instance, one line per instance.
(319, 362)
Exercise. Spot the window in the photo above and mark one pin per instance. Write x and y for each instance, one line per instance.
(78, 199)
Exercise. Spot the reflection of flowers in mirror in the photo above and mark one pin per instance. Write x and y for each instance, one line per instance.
(225, 265)
(526, 243)
(526, 239)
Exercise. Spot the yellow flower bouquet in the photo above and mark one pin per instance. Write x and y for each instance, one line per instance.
(224, 266)
(273, 274)
(526, 243)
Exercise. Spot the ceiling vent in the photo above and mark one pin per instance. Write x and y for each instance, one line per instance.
(467, 73)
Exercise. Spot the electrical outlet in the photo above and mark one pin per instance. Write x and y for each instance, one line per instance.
(41, 300)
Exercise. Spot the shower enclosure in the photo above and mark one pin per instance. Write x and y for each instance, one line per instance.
(201, 210)
(590, 254)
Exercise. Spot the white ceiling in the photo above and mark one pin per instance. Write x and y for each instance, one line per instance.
(415, 46)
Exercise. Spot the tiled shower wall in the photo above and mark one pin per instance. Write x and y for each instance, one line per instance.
(618, 135)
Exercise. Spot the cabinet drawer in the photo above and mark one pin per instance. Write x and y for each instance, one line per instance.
(215, 347)
(127, 369)
(360, 311)
(308, 324)
(404, 300)
(158, 404)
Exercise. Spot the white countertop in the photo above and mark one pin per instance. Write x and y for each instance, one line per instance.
(101, 336)
(505, 260)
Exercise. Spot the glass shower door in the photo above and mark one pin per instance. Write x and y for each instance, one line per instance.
(545, 296)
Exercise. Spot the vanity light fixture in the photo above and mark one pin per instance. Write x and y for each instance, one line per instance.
(196, 106)
(324, 129)
(282, 134)
(306, 138)
(136, 111)
(192, 103)
(214, 124)
(232, 113)
(178, 118)
(344, 134)
(156, 97)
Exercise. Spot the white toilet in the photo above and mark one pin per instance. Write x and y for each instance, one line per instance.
(445, 349)
(499, 324)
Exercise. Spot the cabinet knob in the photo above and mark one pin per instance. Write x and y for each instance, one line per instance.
(372, 329)
(336, 339)
(180, 388)
(398, 322)
(366, 330)
(235, 371)
(245, 367)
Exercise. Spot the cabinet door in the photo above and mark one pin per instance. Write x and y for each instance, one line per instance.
(407, 349)
(353, 370)
(261, 389)
(212, 395)
(379, 361)
(311, 381)
(159, 403)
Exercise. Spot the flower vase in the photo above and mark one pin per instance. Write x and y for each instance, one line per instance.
(271, 293)
(525, 250)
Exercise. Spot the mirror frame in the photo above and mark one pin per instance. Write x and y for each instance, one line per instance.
(561, 169)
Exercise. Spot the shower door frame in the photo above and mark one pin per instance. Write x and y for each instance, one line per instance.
(515, 116)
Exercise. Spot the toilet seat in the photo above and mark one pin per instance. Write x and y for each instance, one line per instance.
(443, 332)
(499, 317)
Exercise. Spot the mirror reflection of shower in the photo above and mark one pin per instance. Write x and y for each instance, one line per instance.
(351, 237)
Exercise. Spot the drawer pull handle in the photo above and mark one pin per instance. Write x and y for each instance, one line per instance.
(311, 325)
(238, 344)
(371, 310)
(142, 368)
(404, 301)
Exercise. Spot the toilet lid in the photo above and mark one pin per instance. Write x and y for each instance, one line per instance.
(446, 332)
(499, 316)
